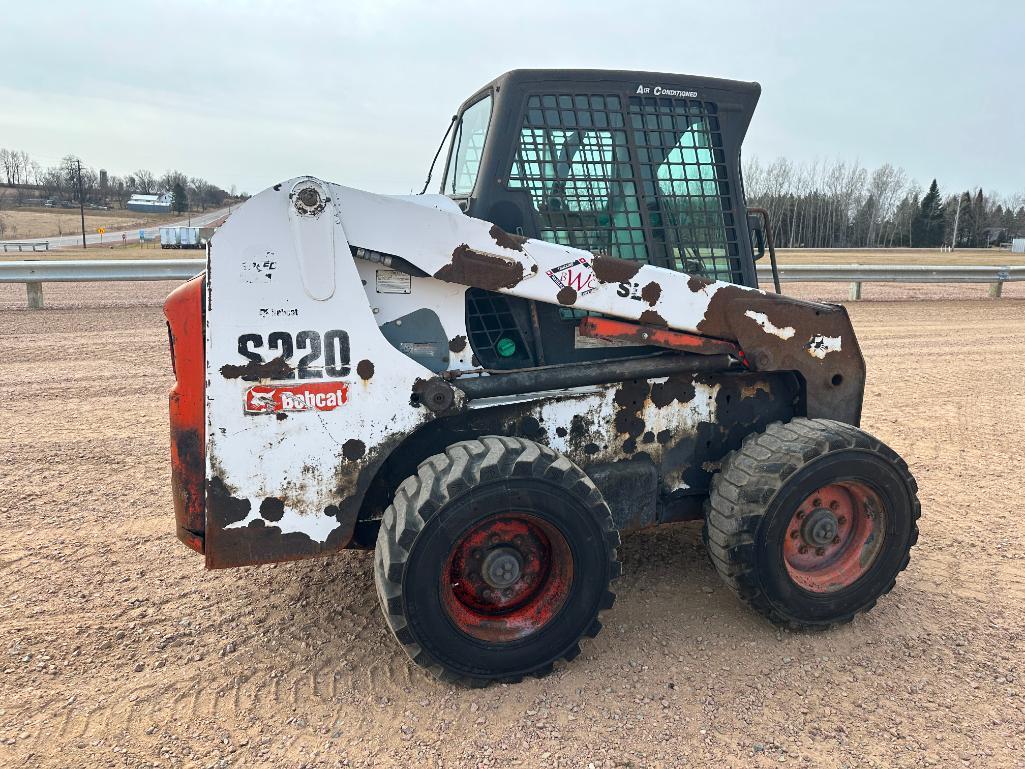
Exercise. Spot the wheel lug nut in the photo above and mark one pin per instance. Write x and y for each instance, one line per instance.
(841, 520)
(794, 534)
(800, 514)
(836, 540)
(820, 551)
(834, 505)
(817, 502)
(802, 549)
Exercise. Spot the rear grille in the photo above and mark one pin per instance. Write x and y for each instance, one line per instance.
(490, 319)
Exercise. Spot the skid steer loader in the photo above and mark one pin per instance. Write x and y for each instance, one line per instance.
(490, 384)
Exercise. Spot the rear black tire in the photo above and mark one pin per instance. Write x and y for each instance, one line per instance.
(447, 522)
(759, 510)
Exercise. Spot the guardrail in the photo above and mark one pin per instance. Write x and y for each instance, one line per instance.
(10, 245)
(34, 273)
(856, 274)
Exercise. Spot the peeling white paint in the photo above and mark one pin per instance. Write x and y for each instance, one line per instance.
(768, 326)
(820, 346)
(316, 527)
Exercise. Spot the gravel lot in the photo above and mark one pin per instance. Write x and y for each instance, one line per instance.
(118, 649)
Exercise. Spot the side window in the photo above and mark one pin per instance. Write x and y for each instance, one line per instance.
(688, 183)
(467, 148)
(636, 178)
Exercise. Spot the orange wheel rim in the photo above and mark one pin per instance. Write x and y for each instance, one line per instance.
(834, 537)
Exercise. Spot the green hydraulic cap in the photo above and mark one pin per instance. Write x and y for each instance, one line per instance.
(505, 347)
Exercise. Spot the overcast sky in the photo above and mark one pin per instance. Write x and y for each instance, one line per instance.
(251, 93)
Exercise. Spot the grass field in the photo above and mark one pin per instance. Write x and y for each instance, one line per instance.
(113, 250)
(22, 223)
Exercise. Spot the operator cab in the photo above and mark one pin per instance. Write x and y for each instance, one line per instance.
(636, 165)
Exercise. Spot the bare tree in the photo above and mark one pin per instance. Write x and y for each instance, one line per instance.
(171, 178)
(145, 182)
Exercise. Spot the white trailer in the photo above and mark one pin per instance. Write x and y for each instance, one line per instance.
(169, 237)
(1018, 246)
(188, 237)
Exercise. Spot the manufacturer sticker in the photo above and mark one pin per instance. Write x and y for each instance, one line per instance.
(259, 270)
(393, 282)
(315, 396)
(576, 275)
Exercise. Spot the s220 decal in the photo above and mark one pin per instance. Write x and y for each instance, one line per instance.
(320, 357)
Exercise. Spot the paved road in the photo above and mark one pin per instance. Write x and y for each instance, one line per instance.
(151, 233)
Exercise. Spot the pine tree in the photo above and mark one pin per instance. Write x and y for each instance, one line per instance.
(927, 229)
(180, 200)
(979, 218)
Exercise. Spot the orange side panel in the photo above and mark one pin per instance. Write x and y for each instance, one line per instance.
(184, 312)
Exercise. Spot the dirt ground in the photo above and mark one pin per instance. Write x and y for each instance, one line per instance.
(923, 256)
(118, 649)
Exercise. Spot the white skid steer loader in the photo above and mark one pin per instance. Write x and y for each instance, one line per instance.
(490, 384)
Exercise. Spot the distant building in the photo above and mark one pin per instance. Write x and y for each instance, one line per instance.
(994, 236)
(151, 204)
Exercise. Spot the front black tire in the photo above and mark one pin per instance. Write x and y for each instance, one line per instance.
(810, 522)
(494, 560)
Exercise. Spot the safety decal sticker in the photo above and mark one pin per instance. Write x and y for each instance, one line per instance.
(576, 275)
(315, 396)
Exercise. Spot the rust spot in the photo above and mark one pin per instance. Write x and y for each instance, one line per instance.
(277, 187)
(473, 268)
(651, 292)
(752, 390)
(365, 369)
(591, 448)
(609, 269)
(567, 295)
(474, 361)
(675, 388)
(272, 509)
(417, 391)
(664, 436)
(254, 370)
(226, 508)
(507, 240)
(648, 437)
(281, 416)
(561, 432)
(652, 318)
(630, 399)
(697, 283)
(457, 343)
(354, 449)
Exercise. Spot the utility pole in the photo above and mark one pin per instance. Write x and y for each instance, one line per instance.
(81, 202)
(957, 215)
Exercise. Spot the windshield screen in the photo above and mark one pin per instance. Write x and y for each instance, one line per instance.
(468, 146)
(636, 178)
